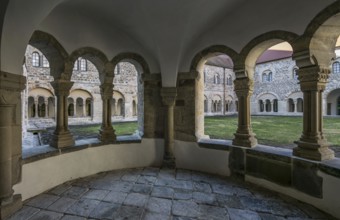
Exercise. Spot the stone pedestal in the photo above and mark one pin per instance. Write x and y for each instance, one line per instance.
(62, 137)
(11, 86)
(106, 132)
(169, 98)
(312, 144)
(244, 135)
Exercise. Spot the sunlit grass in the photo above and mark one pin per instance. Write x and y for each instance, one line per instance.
(279, 131)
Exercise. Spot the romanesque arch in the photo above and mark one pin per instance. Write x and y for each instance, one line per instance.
(40, 103)
(80, 98)
(52, 50)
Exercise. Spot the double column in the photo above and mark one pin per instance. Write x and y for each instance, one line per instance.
(11, 86)
(168, 95)
(62, 137)
(244, 135)
(312, 144)
(106, 132)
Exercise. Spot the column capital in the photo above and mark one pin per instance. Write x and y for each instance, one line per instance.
(62, 87)
(243, 86)
(106, 90)
(169, 95)
(10, 87)
(313, 78)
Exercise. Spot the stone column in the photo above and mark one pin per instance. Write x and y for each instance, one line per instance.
(271, 106)
(46, 108)
(312, 144)
(295, 105)
(244, 135)
(84, 108)
(169, 98)
(106, 132)
(36, 106)
(62, 137)
(11, 86)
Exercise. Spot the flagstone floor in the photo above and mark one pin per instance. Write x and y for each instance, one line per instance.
(161, 194)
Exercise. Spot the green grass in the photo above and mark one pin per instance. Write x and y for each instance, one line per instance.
(279, 131)
(122, 128)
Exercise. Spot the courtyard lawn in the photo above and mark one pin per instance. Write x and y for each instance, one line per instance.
(122, 128)
(279, 131)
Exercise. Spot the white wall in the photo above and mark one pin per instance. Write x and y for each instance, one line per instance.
(42, 175)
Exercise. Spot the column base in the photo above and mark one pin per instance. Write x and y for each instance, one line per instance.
(245, 140)
(107, 135)
(169, 162)
(62, 140)
(313, 151)
(7, 208)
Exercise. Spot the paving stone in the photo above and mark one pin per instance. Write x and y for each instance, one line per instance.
(311, 211)
(42, 201)
(47, 215)
(183, 175)
(183, 218)
(179, 184)
(202, 187)
(155, 216)
(159, 205)
(185, 208)
(151, 171)
(130, 177)
(72, 217)
(83, 207)
(183, 194)
(96, 194)
(212, 212)
(62, 204)
(115, 197)
(162, 192)
(147, 180)
(104, 211)
(136, 199)
(142, 188)
(25, 213)
(128, 212)
(75, 192)
(60, 189)
(166, 174)
(205, 198)
(113, 176)
(228, 201)
(121, 186)
(102, 184)
(242, 214)
(266, 216)
(223, 189)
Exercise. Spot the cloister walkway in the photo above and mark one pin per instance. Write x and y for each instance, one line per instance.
(160, 194)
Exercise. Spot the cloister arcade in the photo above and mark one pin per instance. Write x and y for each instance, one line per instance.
(170, 102)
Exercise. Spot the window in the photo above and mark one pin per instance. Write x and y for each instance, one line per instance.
(267, 76)
(45, 62)
(295, 71)
(35, 59)
(229, 81)
(83, 65)
(217, 79)
(336, 67)
(76, 65)
(117, 69)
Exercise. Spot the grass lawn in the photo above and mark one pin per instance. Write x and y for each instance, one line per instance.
(279, 131)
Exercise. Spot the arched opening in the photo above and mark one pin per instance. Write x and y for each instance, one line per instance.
(89, 107)
(83, 103)
(299, 105)
(118, 105)
(70, 108)
(275, 106)
(268, 106)
(261, 105)
(79, 107)
(51, 107)
(31, 107)
(134, 108)
(291, 105)
(333, 106)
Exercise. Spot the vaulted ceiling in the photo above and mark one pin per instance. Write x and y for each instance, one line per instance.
(166, 33)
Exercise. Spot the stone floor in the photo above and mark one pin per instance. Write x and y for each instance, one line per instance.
(153, 193)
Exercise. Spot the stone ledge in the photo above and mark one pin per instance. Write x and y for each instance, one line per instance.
(331, 167)
(215, 144)
(274, 153)
(42, 152)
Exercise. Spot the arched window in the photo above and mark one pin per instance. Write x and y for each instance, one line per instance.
(35, 59)
(83, 65)
(217, 79)
(299, 107)
(270, 77)
(261, 105)
(229, 81)
(295, 71)
(267, 76)
(76, 65)
(275, 105)
(268, 106)
(336, 67)
(45, 62)
(338, 106)
(264, 77)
